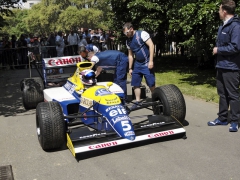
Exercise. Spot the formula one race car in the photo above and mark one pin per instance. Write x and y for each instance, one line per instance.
(97, 117)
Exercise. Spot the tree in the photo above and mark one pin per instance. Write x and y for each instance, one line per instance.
(54, 15)
(42, 18)
(6, 7)
(72, 18)
(150, 16)
(199, 21)
(16, 25)
(195, 22)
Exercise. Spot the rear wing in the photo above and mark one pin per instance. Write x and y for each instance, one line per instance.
(57, 70)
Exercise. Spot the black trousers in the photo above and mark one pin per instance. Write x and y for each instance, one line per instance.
(228, 91)
(73, 50)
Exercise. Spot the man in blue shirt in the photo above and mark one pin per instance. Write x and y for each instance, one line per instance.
(139, 44)
(113, 59)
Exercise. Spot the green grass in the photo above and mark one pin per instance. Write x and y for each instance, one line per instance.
(187, 77)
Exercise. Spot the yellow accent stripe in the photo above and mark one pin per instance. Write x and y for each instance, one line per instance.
(70, 145)
(178, 121)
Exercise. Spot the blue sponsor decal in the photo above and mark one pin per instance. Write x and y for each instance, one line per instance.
(102, 92)
(69, 87)
(129, 133)
(120, 118)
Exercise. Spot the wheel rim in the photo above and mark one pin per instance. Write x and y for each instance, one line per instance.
(38, 132)
(158, 109)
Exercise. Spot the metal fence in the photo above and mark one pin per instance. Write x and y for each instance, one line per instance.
(17, 58)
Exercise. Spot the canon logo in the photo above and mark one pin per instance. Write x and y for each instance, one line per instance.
(160, 134)
(103, 145)
(60, 62)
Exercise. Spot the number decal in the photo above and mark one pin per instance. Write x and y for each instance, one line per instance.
(126, 126)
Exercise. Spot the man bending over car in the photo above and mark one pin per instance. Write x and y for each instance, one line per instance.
(116, 59)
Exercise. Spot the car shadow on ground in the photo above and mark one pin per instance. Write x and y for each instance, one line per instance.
(148, 99)
(11, 99)
(185, 123)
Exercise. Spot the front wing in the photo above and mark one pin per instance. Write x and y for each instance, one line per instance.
(82, 140)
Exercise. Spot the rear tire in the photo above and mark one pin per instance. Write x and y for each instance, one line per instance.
(171, 102)
(51, 127)
(32, 92)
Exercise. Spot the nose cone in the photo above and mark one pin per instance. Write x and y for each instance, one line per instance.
(124, 128)
(118, 119)
(131, 135)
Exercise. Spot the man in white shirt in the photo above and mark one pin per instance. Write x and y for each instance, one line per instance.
(60, 44)
(73, 40)
(82, 42)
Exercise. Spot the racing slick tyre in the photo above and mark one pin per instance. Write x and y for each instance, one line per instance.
(171, 102)
(32, 92)
(51, 127)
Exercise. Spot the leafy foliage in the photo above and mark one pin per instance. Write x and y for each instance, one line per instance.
(72, 18)
(15, 24)
(6, 7)
(199, 22)
(54, 15)
(194, 23)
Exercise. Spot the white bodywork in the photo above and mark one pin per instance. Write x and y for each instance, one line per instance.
(58, 93)
(61, 94)
(114, 88)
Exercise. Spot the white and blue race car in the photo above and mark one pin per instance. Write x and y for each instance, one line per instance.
(88, 119)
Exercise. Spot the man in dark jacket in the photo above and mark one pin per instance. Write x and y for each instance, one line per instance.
(228, 66)
(52, 45)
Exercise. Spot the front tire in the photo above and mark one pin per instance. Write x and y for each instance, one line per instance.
(171, 102)
(51, 128)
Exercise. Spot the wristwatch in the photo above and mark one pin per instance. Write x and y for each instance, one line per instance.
(130, 68)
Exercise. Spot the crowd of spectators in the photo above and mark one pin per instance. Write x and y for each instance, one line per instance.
(14, 51)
